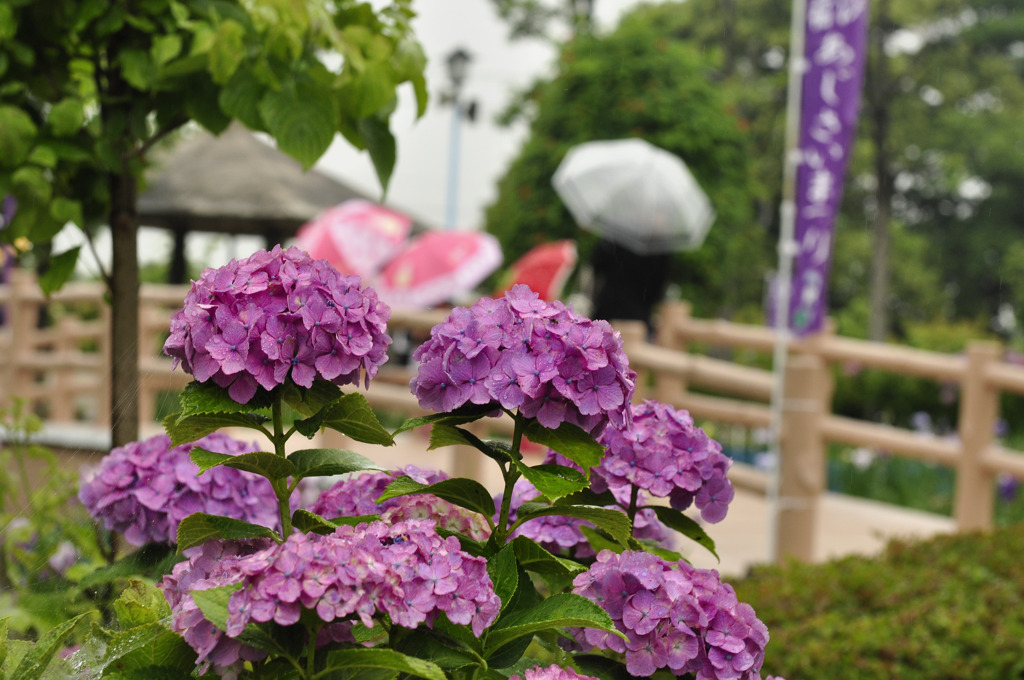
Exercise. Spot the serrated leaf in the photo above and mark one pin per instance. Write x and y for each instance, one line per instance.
(504, 573)
(165, 48)
(600, 541)
(199, 527)
(614, 522)
(306, 521)
(568, 440)
(201, 99)
(553, 481)
(205, 398)
(327, 462)
(3, 641)
(676, 520)
(557, 611)
(227, 51)
(429, 645)
(155, 557)
(460, 416)
(151, 644)
(36, 659)
(532, 557)
(139, 604)
(350, 415)
(601, 667)
(137, 68)
(309, 402)
(66, 117)
(213, 603)
(380, 144)
(185, 429)
(60, 270)
(466, 493)
(301, 118)
(66, 210)
(17, 136)
(240, 98)
(442, 434)
(382, 658)
(269, 465)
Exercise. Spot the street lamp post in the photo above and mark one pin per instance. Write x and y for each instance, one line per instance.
(458, 65)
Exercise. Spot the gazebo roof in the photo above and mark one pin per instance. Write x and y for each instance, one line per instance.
(234, 184)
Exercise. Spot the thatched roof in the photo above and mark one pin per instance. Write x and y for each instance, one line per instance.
(234, 184)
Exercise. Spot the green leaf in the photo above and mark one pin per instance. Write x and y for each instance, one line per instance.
(186, 429)
(504, 573)
(209, 398)
(213, 603)
(568, 440)
(202, 105)
(151, 644)
(380, 144)
(306, 521)
(3, 642)
(154, 558)
(600, 541)
(302, 119)
(460, 416)
(36, 660)
(382, 658)
(137, 68)
(199, 527)
(310, 402)
(165, 48)
(557, 611)
(553, 481)
(140, 603)
(466, 493)
(8, 29)
(615, 522)
(674, 519)
(269, 465)
(532, 557)
(17, 136)
(351, 415)
(601, 667)
(240, 99)
(44, 156)
(60, 270)
(429, 645)
(228, 51)
(327, 462)
(66, 210)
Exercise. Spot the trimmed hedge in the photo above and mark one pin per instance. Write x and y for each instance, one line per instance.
(949, 608)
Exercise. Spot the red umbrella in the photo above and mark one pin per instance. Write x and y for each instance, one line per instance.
(356, 236)
(437, 266)
(544, 268)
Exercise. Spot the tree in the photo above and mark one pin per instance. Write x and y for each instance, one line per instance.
(638, 82)
(88, 86)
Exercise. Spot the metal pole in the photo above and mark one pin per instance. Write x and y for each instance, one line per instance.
(451, 212)
(787, 250)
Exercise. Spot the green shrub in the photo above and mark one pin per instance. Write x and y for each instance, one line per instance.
(949, 608)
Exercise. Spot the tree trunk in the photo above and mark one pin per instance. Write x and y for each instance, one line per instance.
(878, 327)
(124, 346)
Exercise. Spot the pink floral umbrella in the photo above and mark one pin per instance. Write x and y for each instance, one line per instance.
(544, 268)
(437, 266)
(356, 236)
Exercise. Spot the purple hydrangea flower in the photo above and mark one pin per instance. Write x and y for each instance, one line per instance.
(521, 352)
(551, 673)
(674, 616)
(663, 452)
(144, 489)
(405, 571)
(278, 316)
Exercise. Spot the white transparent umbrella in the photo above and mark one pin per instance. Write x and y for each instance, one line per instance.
(635, 194)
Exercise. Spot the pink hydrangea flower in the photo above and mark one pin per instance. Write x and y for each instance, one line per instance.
(278, 316)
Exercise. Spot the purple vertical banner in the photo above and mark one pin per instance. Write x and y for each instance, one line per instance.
(835, 50)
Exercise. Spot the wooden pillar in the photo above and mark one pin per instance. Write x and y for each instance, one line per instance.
(979, 409)
(802, 455)
(634, 334)
(23, 314)
(672, 320)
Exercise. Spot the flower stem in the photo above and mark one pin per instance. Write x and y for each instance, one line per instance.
(511, 476)
(633, 496)
(281, 486)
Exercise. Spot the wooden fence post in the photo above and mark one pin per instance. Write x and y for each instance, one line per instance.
(979, 409)
(801, 456)
(672, 319)
(22, 316)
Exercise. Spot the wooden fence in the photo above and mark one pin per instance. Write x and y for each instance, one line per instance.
(59, 361)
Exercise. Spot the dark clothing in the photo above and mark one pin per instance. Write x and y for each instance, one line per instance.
(626, 285)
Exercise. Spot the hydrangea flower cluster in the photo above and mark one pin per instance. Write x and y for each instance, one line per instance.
(664, 453)
(356, 494)
(675, 616)
(209, 566)
(560, 534)
(144, 489)
(404, 570)
(552, 673)
(524, 353)
(277, 315)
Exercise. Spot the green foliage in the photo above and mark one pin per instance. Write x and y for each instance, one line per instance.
(639, 81)
(947, 608)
